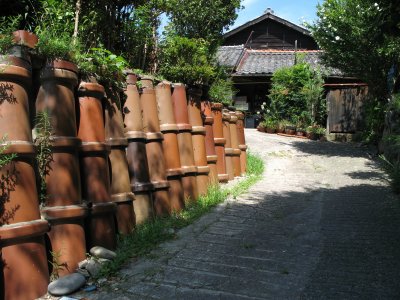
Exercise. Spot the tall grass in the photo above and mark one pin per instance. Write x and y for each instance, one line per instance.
(149, 235)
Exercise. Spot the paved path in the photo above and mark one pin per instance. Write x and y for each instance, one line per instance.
(322, 224)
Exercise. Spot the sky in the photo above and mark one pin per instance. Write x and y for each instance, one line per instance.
(295, 11)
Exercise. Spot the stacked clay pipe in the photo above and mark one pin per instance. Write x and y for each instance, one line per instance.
(136, 151)
(242, 142)
(212, 158)
(154, 148)
(120, 184)
(170, 145)
(234, 143)
(100, 225)
(24, 272)
(226, 117)
(198, 139)
(186, 155)
(63, 206)
(219, 141)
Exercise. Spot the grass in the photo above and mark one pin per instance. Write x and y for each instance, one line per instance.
(149, 235)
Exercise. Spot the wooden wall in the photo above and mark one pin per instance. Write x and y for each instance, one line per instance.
(270, 34)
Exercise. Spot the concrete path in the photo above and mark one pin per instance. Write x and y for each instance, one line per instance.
(322, 224)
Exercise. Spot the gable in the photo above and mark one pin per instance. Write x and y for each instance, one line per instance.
(270, 32)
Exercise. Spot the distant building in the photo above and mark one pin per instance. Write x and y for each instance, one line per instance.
(256, 49)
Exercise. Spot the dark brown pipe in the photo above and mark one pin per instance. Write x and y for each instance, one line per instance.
(198, 139)
(154, 148)
(24, 272)
(100, 225)
(120, 183)
(228, 145)
(219, 141)
(242, 142)
(179, 103)
(212, 158)
(170, 145)
(235, 143)
(136, 152)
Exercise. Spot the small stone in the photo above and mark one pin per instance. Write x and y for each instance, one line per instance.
(83, 264)
(84, 272)
(102, 280)
(94, 265)
(102, 252)
(67, 284)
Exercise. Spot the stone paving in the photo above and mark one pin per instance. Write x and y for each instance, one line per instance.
(321, 224)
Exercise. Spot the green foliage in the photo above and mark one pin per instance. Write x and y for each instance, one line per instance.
(296, 95)
(186, 60)
(204, 19)
(56, 265)
(7, 26)
(149, 235)
(393, 170)
(5, 159)
(222, 91)
(270, 122)
(44, 155)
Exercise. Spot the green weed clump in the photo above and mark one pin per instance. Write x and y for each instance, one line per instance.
(393, 170)
(150, 234)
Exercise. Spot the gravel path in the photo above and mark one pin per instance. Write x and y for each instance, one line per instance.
(322, 224)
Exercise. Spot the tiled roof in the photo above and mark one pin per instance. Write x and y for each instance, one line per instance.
(229, 55)
(266, 62)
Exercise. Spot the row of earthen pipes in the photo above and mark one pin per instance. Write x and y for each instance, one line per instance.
(114, 163)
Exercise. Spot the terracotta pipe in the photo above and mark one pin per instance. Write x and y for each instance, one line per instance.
(154, 148)
(63, 207)
(226, 117)
(235, 143)
(198, 139)
(24, 272)
(120, 183)
(212, 158)
(100, 225)
(179, 103)
(242, 142)
(219, 141)
(136, 152)
(170, 145)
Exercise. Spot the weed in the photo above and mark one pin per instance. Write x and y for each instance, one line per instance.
(56, 264)
(150, 234)
(393, 170)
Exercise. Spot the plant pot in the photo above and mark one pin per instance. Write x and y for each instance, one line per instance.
(270, 130)
(300, 133)
(198, 139)
(179, 103)
(170, 145)
(313, 136)
(219, 141)
(100, 224)
(154, 149)
(24, 271)
(290, 130)
(136, 152)
(260, 128)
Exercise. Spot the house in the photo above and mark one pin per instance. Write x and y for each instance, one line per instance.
(256, 49)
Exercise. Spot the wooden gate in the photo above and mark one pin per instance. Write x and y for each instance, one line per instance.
(344, 102)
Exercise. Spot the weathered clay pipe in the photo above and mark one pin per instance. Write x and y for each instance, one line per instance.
(100, 224)
(234, 143)
(24, 272)
(212, 158)
(63, 207)
(198, 139)
(226, 117)
(179, 102)
(136, 152)
(154, 148)
(170, 145)
(219, 141)
(242, 142)
(120, 184)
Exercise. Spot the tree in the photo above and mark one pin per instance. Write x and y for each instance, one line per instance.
(206, 19)
(361, 38)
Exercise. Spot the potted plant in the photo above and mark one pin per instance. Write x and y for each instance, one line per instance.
(261, 127)
(314, 132)
(270, 125)
(290, 128)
